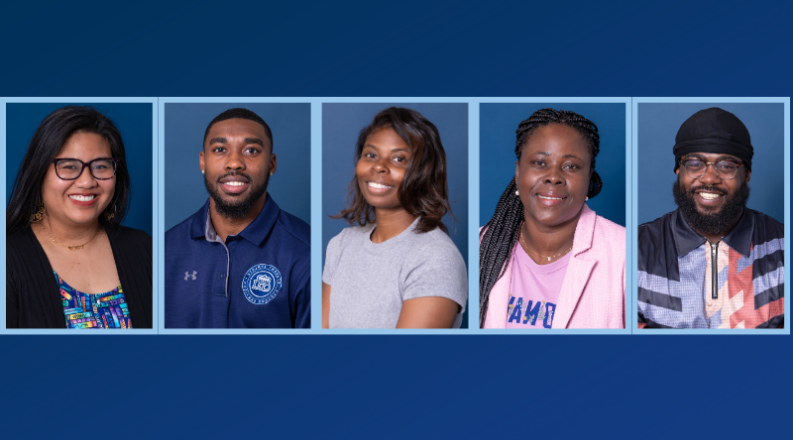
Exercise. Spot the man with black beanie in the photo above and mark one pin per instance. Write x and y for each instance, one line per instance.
(712, 263)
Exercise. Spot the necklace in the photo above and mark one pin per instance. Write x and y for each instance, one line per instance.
(523, 242)
(71, 248)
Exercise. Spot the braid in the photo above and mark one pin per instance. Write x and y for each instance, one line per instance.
(498, 237)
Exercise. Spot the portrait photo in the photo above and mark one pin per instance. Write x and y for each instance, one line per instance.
(237, 214)
(395, 215)
(711, 202)
(552, 215)
(79, 215)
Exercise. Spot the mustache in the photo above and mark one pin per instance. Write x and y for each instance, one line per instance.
(235, 173)
(707, 188)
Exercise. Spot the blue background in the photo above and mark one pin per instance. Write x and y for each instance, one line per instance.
(398, 386)
(185, 124)
(341, 124)
(133, 120)
(658, 126)
(498, 123)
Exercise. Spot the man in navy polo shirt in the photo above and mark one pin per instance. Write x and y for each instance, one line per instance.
(240, 261)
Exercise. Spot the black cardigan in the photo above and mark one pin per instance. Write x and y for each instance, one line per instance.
(32, 295)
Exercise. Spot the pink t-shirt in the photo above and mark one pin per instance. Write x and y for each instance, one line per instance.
(534, 290)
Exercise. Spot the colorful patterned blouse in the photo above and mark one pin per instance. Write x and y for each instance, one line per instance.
(93, 310)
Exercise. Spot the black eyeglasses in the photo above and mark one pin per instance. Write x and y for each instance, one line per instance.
(70, 169)
(696, 167)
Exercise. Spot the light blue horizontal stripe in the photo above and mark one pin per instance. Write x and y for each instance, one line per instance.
(760, 251)
(768, 281)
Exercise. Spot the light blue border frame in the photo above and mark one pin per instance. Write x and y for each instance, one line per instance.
(633, 232)
(473, 163)
(156, 234)
(629, 220)
(316, 215)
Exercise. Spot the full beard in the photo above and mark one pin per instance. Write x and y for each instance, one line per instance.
(239, 208)
(715, 223)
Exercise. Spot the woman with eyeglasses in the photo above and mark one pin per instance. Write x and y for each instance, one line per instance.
(69, 262)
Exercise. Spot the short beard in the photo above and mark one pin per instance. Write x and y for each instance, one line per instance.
(716, 223)
(242, 208)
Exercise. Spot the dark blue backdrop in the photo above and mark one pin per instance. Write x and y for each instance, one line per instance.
(658, 125)
(398, 386)
(185, 124)
(133, 120)
(497, 126)
(341, 124)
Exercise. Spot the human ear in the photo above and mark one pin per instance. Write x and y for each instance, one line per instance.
(201, 161)
(517, 170)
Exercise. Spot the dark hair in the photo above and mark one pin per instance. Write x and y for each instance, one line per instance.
(498, 237)
(240, 113)
(47, 141)
(423, 191)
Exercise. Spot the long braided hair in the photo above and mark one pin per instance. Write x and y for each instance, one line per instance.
(498, 237)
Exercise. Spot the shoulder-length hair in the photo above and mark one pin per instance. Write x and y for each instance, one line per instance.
(47, 141)
(423, 191)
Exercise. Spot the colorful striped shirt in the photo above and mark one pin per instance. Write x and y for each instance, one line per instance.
(685, 281)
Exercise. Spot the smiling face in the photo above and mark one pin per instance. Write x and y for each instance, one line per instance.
(381, 168)
(237, 162)
(79, 201)
(711, 204)
(553, 174)
(710, 192)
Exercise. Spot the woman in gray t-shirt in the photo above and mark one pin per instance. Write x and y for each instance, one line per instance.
(396, 267)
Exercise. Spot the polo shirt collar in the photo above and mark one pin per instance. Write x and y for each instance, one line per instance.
(686, 239)
(255, 232)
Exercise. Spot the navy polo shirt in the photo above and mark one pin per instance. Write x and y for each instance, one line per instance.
(260, 278)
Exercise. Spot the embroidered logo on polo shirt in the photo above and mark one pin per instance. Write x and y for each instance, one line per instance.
(262, 283)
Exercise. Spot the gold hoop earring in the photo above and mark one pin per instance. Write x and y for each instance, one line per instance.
(112, 214)
(39, 213)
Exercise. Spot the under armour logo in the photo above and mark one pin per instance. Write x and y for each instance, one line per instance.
(188, 275)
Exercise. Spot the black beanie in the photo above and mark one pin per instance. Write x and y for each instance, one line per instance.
(714, 131)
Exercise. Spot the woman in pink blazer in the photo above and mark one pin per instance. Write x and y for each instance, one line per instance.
(546, 259)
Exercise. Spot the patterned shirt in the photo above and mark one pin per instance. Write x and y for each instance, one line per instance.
(93, 310)
(687, 282)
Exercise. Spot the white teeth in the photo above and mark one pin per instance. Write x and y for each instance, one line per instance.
(82, 198)
(550, 198)
(709, 196)
(378, 185)
(234, 183)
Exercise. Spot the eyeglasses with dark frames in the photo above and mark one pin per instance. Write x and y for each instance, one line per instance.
(696, 167)
(102, 168)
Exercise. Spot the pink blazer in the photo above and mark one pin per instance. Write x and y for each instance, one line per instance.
(593, 290)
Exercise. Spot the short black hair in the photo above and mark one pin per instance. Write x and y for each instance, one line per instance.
(47, 141)
(240, 113)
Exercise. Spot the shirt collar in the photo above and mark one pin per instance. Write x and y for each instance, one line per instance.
(255, 232)
(686, 239)
(740, 238)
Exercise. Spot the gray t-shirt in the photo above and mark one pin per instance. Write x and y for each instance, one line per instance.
(370, 281)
